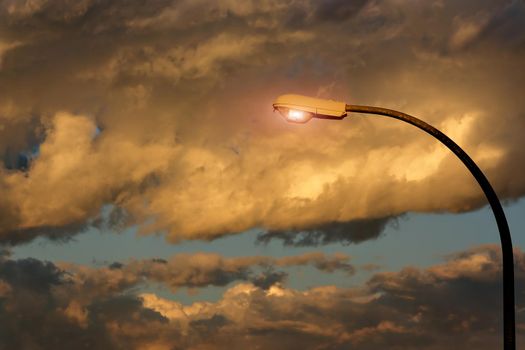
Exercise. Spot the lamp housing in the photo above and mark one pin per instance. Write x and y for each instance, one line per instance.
(300, 109)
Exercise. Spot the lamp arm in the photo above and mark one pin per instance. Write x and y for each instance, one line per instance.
(509, 336)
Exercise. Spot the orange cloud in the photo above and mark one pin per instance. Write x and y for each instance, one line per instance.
(189, 146)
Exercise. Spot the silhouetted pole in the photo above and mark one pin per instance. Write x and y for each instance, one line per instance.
(509, 335)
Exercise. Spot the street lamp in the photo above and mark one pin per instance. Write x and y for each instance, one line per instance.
(300, 109)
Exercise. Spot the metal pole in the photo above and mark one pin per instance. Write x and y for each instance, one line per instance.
(509, 336)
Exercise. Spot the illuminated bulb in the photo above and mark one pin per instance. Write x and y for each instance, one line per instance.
(296, 116)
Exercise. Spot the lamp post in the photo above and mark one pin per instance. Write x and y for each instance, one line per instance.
(300, 109)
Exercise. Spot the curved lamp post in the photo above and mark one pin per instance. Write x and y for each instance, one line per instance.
(300, 109)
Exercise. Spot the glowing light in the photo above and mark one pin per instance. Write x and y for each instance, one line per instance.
(296, 116)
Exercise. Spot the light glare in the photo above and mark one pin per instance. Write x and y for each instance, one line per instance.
(296, 116)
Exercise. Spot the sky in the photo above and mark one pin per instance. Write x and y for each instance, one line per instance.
(150, 198)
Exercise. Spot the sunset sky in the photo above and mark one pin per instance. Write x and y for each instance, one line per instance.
(150, 198)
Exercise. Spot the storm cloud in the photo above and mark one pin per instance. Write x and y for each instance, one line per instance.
(162, 110)
(46, 307)
(354, 231)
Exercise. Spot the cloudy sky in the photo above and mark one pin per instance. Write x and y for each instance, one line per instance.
(151, 199)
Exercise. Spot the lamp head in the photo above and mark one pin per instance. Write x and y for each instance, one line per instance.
(300, 109)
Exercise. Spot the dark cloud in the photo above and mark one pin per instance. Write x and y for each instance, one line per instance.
(505, 26)
(58, 234)
(269, 278)
(209, 325)
(345, 233)
(159, 261)
(453, 305)
(115, 266)
(337, 10)
(336, 262)
(31, 274)
(199, 271)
